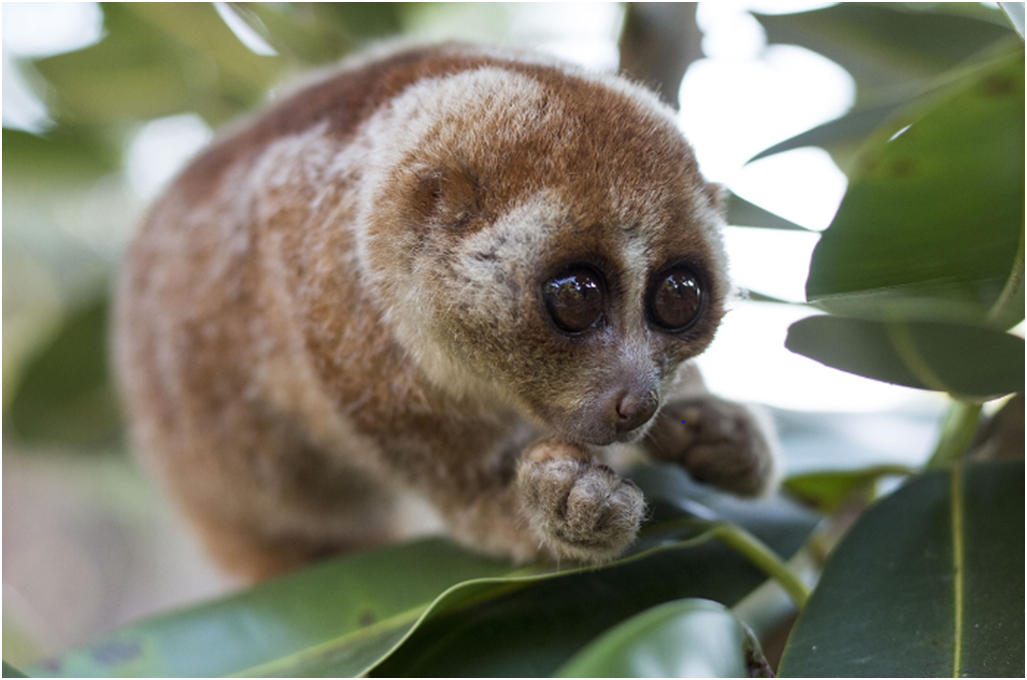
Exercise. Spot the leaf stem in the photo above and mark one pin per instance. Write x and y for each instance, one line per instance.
(956, 433)
(763, 557)
(1000, 308)
(958, 567)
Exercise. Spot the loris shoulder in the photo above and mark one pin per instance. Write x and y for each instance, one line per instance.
(451, 272)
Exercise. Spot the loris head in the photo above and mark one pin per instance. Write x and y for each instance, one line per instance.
(545, 239)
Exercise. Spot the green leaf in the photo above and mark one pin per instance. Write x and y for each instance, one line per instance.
(756, 296)
(318, 33)
(59, 155)
(890, 49)
(157, 60)
(932, 220)
(682, 639)
(969, 361)
(533, 630)
(530, 629)
(65, 393)
(357, 596)
(365, 21)
(1014, 12)
(840, 137)
(12, 672)
(741, 212)
(827, 490)
(929, 582)
(429, 608)
(672, 495)
(299, 30)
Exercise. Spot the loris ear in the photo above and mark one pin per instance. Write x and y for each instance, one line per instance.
(718, 195)
(447, 195)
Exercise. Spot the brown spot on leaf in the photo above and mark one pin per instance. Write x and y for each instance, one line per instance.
(902, 167)
(997, 85)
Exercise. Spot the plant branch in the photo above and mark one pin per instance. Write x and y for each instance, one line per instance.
(657, 44)
(763, 557)
(956, 433)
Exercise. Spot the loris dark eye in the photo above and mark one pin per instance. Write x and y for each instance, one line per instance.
(574, 299)
(676, 300)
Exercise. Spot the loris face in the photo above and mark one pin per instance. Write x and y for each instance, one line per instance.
(556, 249)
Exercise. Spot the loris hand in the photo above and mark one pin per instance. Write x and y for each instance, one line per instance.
(718, 441)
(579, 510)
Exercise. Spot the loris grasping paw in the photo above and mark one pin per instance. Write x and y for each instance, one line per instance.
(452, 272)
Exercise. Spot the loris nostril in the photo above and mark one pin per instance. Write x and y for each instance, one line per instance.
(635, 409)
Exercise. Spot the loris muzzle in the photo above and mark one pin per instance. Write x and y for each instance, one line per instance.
(451, 273)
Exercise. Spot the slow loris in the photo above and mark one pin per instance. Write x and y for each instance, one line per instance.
(459, 273)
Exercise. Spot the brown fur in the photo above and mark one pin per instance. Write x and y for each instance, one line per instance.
(339, 304)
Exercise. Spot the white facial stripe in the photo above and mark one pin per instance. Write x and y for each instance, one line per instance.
(636, 262)
(520, 236)
(429, 118)
(436, 109)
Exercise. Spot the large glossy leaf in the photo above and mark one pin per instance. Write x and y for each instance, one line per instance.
(534, 630)
(681, 639)
(931, 222)
(428, 608)
(929, 582)
(531, 631)
(892, 48)
(969, 361)
(356, 596)
(65, 394)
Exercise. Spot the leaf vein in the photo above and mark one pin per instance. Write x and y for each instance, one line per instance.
(957, 567)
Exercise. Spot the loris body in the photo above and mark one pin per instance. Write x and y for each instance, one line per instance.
(450, 272)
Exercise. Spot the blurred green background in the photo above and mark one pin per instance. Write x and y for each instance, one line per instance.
(104, 102)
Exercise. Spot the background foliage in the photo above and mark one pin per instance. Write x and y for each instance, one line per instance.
(916, 571)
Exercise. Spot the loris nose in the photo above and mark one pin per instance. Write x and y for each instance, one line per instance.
(634, 409)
